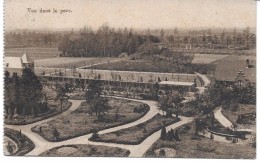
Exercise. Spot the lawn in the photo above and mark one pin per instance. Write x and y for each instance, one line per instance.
(86, 150)
(80, 122)
(206, 58)
(138, 65)
(24, 144)
(136, 134)
(242, 109)
(35, 53)
(71, 62)
(200, 147)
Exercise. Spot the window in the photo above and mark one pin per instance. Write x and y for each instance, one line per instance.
(7, 65)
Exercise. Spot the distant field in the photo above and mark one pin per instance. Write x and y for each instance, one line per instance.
(139, 65)
(206, 58)
(71, 62)
(34, 52)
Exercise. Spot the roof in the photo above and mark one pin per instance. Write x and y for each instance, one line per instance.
(228, 68)
(13, 62)
(177, 83)
(17, 62)
(26, 59)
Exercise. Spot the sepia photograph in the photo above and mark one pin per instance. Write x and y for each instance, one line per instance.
(130, 78)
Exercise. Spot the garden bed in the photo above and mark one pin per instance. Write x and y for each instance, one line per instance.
(86, 150)
(24, 120)
(24, 144)
(81, 123)
(242, 109)
(136, 134)
(200, 147)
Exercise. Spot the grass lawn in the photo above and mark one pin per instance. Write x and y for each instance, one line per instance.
(80, 122)
(35, 53)
(54, 109)
(138, 65)
(24, 144)
(70, 62)
(87, 150)
(136, 134)
(201, 147)
(242, 109)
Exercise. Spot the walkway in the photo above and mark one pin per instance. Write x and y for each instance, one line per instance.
(41, 145)
(226, 122)
(205, 80)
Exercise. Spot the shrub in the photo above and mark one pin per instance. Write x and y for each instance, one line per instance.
(140, 109)
(95, 135)
(171, 135)
(163, 133)
(162, 153)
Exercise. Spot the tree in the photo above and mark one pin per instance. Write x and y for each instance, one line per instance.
(98, 105)
(61, 95)
(163, 133)
(171, 104)
(31, 89)
(56, 134)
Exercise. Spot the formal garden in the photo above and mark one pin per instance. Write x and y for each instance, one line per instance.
(187, 143)
(86, 150)
(84, 120)
(136, 134)
(241, 114)
(21, 144)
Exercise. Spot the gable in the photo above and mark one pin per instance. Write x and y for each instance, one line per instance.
(13, 62)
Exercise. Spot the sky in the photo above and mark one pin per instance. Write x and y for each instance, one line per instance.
(139, 14)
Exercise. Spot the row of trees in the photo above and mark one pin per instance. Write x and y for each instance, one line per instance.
(22, 95)
(223, 39)
(126, 40)
(32, 39)
(105, 42)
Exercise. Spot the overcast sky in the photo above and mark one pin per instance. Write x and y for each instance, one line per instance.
(131, 13)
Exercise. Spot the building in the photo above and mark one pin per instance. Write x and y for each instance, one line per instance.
(240, 70)
(17, 64)
(186, 86)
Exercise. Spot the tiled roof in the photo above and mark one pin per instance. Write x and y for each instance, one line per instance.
(227, 68)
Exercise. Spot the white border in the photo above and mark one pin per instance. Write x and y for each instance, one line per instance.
(67, 159)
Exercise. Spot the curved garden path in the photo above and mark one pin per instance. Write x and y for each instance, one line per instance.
(205, 80)
(41, 145)
(226, 122)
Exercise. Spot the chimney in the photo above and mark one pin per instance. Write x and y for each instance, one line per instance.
(247, 63)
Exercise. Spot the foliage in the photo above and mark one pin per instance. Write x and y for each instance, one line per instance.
(163, 134)
(23, 94)
(61, 95)
(106, 41)
(98, 105)
(55, 133)
(171, 103)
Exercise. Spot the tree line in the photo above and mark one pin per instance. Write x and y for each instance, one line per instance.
(22, 94)
(108, 41)
(105, 42)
